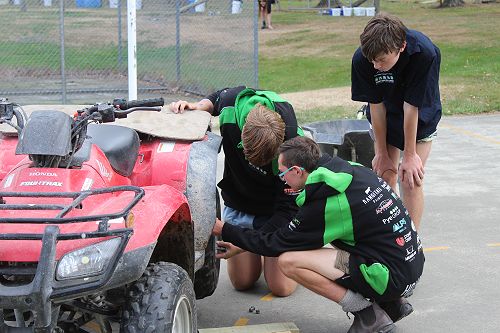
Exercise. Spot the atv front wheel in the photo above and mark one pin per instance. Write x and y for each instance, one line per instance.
(207, 277)
(162, 300)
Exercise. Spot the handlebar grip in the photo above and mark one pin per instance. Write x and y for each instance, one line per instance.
(124, 105)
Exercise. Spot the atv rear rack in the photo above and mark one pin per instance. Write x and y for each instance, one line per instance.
(36, 295)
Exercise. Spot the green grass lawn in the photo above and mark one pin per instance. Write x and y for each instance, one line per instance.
(314, 51)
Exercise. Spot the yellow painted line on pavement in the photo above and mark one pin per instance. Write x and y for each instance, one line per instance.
(241, 322)
(470, 133)
(268, 297)
(437, 248)
(494, 244)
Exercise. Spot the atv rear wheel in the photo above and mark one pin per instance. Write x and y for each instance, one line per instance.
(162, 300)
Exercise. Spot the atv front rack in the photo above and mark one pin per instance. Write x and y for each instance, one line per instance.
(36, 295)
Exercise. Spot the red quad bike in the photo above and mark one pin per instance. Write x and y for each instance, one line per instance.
(105, 226)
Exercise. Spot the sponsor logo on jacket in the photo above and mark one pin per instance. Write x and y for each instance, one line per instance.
(393, 214)
(373, 196)
(384, 205)
(293, 224)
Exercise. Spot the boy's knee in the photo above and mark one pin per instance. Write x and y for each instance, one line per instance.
(286, 262)
(283, 289)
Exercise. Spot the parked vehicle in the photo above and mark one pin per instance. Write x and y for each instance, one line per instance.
(105, 224)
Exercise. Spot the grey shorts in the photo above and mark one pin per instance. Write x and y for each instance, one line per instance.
(236, 217)
(429, 138)
(342, 261)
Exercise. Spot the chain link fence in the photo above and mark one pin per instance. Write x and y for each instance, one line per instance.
(75, 51)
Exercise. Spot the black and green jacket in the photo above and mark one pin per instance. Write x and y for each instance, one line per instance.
(245, 187)
(347, 205)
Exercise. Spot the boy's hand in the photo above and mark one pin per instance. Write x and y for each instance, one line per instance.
(382, 163)
(217, 230)
(227, 250)
(181, 106)
(411, 170)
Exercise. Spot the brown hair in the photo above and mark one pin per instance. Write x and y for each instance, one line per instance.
(383, 34)
(301, 151)
(262, 134)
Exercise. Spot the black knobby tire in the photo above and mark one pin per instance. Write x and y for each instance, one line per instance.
(207, 277)
(162, 300)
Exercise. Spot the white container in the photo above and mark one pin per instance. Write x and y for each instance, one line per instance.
(370, 11)
(138, 4)
(347, 11)
(199, 8)
(336, 11)
(47, 3)
(113, 3)
(236, 7)
(359, 11)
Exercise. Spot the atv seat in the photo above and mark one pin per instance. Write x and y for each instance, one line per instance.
(119, 144)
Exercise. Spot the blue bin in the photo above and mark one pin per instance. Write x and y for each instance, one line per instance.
(89, 3)
(189, 2)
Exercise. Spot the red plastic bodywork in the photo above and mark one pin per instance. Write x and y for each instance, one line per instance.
(160, 170)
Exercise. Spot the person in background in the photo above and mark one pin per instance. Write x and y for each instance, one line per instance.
(377, 257)
(396, 71)
(253, 124)
(265, 13)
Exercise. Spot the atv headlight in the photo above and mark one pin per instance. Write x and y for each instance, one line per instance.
(88, 261)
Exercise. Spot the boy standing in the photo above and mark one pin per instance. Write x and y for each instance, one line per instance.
(396, 71)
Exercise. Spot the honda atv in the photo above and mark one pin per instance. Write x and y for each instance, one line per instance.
(106, 226)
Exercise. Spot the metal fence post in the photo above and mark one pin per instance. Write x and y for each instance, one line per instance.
(256, 43)
(120, 55)
(178, 41)
(63, 64)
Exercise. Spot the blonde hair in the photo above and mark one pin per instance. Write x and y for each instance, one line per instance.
(263, 133)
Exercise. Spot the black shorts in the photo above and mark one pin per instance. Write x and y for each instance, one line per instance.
(266, 4)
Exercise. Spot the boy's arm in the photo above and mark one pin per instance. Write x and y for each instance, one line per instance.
(181, 106)
(411, 170)
(381, 162)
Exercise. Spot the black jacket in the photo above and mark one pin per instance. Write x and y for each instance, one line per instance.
(245, 187)
(347, 205)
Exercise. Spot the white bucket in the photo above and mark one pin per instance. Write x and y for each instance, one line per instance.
(113, 3)
(47, 3)
(236, 7)
(199, 8)
(138, 4)
(336, 11)
(346, 11)
(370, 11)
(359, 11)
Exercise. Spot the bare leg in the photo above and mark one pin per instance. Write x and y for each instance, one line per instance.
(244, 270)
(269, 21)
(279, 284)
(390, 176)
(413, 199)
(314, 270)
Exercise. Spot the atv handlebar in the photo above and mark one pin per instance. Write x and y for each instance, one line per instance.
(139, 108)
(122, 104)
